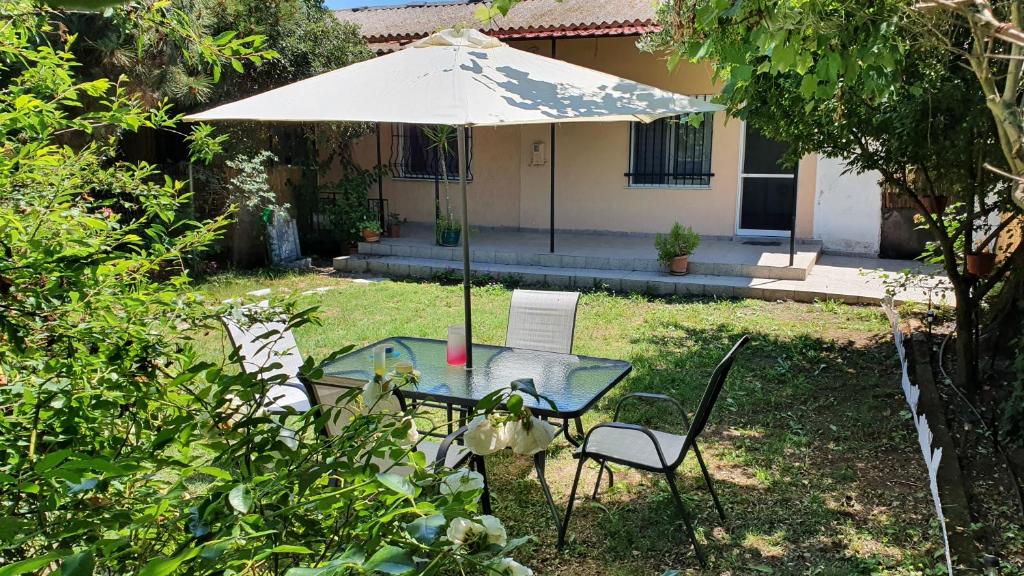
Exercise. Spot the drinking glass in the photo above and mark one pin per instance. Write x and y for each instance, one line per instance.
(456, 345)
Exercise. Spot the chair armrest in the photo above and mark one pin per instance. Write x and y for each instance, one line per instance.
(653, 397)
(442, 450)
(624, 426)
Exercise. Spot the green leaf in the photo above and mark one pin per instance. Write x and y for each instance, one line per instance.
(391, 560)
(78, 564)
(783, 57)
(217, 473)
(290, 549)
(164, 566)
(397, 483)
(240, 498)
(808, 85)
(237, 65)
(30, 565)
(426, 528)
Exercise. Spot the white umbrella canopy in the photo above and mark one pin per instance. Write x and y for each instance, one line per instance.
(461, 78)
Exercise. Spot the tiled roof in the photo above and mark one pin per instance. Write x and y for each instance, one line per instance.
(389, 27)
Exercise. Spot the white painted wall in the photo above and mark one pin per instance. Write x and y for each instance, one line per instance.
(847, 209)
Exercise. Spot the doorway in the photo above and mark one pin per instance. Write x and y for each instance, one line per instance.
(767, 203)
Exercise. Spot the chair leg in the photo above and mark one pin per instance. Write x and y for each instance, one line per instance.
(686, 518)
(597, 485)
(707, 480)
(485, 503)
(568, 509)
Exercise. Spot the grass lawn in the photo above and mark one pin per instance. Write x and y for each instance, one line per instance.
(810, 445)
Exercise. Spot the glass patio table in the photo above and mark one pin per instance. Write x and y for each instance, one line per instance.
(573, 383)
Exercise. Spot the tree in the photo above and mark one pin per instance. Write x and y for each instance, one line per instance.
(302, 36)
(860, 81)
(995, 55)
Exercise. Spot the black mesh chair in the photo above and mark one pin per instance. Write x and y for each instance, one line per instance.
(449, 453)
(640, 447)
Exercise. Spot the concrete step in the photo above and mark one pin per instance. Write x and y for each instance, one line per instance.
(657, 283)
(711, 258)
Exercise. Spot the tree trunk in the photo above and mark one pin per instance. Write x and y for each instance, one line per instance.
(966, 351)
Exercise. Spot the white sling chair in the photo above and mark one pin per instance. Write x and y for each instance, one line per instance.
(268, 350)
(542, 320)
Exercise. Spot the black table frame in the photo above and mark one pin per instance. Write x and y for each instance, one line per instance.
(464, 404)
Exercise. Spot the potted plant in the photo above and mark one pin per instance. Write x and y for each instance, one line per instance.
(447, 228)
(371, 230)
(981, 263)
(674, 248)
(395, 222)
(448, 231)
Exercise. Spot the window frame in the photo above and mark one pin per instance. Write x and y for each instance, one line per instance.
(668, 156)
(400, 169)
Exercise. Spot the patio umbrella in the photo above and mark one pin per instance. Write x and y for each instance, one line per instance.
(461, 78)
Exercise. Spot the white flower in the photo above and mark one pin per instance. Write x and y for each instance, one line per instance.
(510, 567)
(537, 438)
(414, 434)
(495, 531)
(484, 437)
(461, 480)
(462, 531)
(377, 400)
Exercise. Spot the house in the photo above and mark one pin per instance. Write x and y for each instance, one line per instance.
(720, 177)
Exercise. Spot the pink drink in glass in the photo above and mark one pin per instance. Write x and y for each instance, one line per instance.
(456, 345)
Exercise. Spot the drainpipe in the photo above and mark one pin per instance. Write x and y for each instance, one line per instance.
(552, 212)
(792, 229)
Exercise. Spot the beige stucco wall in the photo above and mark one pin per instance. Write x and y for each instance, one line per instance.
(591, 191)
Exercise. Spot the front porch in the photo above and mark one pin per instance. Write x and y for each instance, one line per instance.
(740, 267)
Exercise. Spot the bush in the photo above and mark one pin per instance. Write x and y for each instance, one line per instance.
(120, 451)
(679, 241)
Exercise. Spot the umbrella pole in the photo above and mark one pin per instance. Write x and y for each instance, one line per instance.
(466, 296)
(380, 185)
(551, 225)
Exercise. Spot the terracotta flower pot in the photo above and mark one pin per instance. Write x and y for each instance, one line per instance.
(935, 204)
(981, 263)
(678, 265)
(370, 235)
(395, 231)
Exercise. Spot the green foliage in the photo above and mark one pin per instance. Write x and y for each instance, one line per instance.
(288, 40)
(680, 241)
(249, 188)
(120, 451)
(371, 224)
(1012, 425)
(877, 84)
(348, 211)
(442, 138)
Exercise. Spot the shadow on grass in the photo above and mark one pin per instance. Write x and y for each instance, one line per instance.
(814, 463)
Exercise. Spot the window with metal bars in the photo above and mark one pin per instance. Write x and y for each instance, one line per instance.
(414, 154)
(671, 152)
